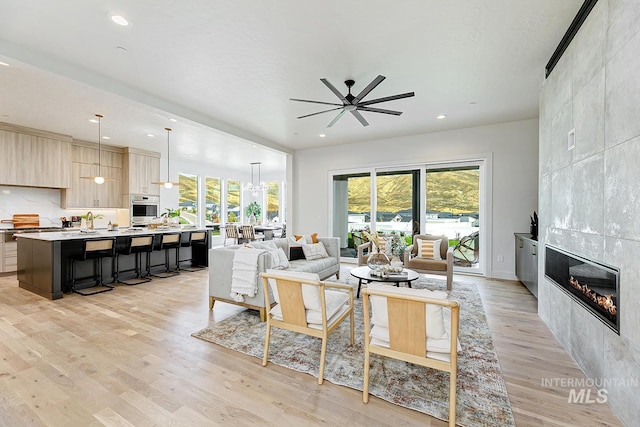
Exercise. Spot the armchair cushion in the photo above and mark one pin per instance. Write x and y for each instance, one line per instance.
(337, 303)
(310, 293)
(429, 249)
(434, 318)
(426, 264)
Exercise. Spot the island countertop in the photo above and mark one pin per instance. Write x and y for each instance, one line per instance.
(44, 259)
(54, 236)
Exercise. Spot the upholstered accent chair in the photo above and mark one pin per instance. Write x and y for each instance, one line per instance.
(423, 261)
(306, 305)
(409, 325)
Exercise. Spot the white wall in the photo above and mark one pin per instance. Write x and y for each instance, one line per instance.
(513, 145)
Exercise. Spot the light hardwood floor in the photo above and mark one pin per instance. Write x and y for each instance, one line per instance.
(126, 358)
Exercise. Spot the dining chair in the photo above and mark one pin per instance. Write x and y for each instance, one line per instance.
(231, 232)
(249, 234)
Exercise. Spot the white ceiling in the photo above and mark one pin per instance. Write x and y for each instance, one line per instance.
(233, 65)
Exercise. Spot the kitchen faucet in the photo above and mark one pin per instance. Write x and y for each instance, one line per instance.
(90, 220)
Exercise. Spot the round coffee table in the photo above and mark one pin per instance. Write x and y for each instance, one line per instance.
(363, 274)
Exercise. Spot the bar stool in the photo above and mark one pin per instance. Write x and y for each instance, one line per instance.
(196, 239)
(169, 241)
(136, 245)
(96, 250)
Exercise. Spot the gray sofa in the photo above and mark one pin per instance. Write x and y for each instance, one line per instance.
(221, 264)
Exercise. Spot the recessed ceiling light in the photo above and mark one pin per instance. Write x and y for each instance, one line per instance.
(171, 119)
(150, 135)
(441, 116)
(120, 20)
(93, 120)
(322, 135)
(4, 63)
(106, 137)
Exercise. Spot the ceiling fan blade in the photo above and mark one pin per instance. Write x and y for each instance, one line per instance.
(319, 112)
(333, 89)
(314, 102)
(359, 117)
(379, 110)
(333, 122)
(387, 98)
(368, 89)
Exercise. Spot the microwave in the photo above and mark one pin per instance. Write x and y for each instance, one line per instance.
(144, 209)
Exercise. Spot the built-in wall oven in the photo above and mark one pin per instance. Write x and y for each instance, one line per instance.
(143, 209)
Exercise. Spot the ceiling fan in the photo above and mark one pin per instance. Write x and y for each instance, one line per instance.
(355, 104)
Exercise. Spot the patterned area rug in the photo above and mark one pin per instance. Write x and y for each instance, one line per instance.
(482, 395)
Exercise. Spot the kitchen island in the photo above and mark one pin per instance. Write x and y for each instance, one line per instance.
(44, 259)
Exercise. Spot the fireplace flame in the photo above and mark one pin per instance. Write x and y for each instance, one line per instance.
(605, 302)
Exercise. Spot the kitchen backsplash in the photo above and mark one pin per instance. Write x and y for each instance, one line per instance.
(46, 203)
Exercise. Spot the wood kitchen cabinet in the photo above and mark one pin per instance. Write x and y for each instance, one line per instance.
(35, 158)
(143, 167)
(85, 193)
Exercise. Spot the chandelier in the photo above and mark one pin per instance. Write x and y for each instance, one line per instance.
(252, 186)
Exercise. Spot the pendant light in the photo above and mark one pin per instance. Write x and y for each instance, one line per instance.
(99, 179)
(167, 184)
(252, 186)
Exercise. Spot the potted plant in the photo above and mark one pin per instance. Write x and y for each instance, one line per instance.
(253, 211)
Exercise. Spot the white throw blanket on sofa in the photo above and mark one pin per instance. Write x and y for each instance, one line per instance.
(244, 272)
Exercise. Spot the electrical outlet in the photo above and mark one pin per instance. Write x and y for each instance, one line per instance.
(500, 258)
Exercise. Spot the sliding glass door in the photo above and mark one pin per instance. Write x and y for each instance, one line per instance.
(452, 195)
(443, 199)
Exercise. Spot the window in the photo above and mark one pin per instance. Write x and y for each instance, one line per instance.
(188, 198)
(273, 202)
(213, 194)
(233, 201)
(352, 210)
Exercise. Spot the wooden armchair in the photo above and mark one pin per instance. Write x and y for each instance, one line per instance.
(426, 265)
(307, 306)
(402, 327)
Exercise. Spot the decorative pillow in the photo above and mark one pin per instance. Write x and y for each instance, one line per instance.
(434, 316)
(314, 251)
(269, 245)
(279, 259)
(296, 252)
(307, 238)
(429, 248)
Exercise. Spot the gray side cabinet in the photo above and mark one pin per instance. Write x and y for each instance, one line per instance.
(527, 262)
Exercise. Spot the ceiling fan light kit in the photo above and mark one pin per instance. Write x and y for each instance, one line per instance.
(355, 104)
(167, 184)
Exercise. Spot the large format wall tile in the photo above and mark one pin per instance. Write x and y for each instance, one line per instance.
(559, 83)
(561, 124)
(588, 118)
(622, 198)
(560, 315)
(623, 254)
(544, 202)
(587, 335)
(561, 188)
(622, 108)
(588, 245)
(588, 57)
(622, 370)
(587, 200)
(623, 17)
